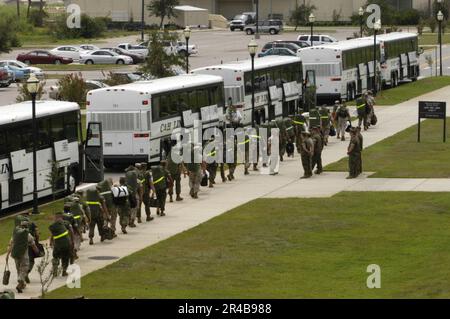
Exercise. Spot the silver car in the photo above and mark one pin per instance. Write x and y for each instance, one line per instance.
(269, 26)
(104, 57)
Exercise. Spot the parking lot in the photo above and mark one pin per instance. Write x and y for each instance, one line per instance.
(215, 47)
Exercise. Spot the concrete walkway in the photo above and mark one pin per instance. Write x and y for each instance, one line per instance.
(213, 202)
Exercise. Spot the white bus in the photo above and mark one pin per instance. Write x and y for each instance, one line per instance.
(58, 127)
(345, 69)
(138, 118)
(278, 86)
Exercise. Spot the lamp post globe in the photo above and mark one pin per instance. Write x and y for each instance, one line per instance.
(440, 18)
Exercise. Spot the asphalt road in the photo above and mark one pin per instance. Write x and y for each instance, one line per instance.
(215, 46)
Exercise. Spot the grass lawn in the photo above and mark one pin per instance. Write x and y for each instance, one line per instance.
(43, 220)
(401, 156)
(80, 67)
(278, 249)
(407, 91)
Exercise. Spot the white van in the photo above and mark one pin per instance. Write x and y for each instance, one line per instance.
(317, 39)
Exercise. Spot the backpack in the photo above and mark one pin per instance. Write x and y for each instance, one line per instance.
(20, 242)
(120, 195)
(342, 113)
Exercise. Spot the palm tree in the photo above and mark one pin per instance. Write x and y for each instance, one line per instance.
(28, 9)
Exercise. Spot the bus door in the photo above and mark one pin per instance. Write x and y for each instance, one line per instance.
(93, 154)
(404, 63)
(310, 88)
(358, 81)
(21, 168)
(274, 97)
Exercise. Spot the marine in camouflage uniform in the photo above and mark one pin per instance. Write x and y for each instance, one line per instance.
(131, 177)
(77, 211)
(318, 147)
(230, 151)
(290, 135)
(306, 152)
(361, 111)
(325, 123)
(195, 171)
(160, 178)
(314, 118)
(211, 164)
(353, 152)
(140, 176)
(123, 210)
(147, 188)
(298, 122)
(61, 241)
(361, 146)
(104, 187)
(98, 213)
(175, 170)
(18, 248)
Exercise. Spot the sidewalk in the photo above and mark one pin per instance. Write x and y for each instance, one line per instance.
(213, 202)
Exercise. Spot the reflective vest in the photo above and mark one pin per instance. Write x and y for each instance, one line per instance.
(159, 178)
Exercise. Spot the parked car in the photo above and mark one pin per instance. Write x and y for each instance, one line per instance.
(137, 57)
(277, 51)
(36, 71)
(301, 44)
(281, 44)
(317, 39)
(240, 21)
(134, 48)
(6, 78)
(88, 47)
(42, 57)
(90, 84)
(67, 51)
(18, 74)
(181, 48)
(104, 57)
(169, 46)
(267, 26)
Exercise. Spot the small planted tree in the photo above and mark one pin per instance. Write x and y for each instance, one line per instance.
(113, 79)
(72, 88)
(163, 9)
(299, 16)
(46, 274)
(430, 62)
(54, 178)
(159, 63)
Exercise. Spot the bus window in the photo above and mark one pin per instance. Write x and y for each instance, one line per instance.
(156, 101)
(70, 126)
(182, 103)
(248, 82)
(164, 107)
(3, 148)
(57, 128)
(44, 133)
(193, 104)
(14, 140)
(202, 98)
(220, 100)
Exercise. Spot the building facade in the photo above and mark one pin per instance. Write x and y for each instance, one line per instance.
(124, 10)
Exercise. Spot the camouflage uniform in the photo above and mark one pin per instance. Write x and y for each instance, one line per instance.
(131, 176)
(175, 171)
(354, 155)
(325, 123)
(306, 152)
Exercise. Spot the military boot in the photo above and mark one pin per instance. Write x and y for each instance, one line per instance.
(171, 198)
(179, 198)
(139, 220)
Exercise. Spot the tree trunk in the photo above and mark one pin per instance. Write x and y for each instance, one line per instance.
(18, 8)
(161, 23)
(41, 6)
(28, 9)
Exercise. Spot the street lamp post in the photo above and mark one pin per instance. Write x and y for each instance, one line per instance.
(142, 20)
(376, 28)
(361, 15)
(252, 48)
(257, 19)
(187, 35)
(33, 87)
(440, 18)
(312, 19)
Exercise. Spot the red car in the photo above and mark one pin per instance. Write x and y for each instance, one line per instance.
(42, 57)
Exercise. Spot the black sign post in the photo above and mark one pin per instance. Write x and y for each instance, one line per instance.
(432, 110)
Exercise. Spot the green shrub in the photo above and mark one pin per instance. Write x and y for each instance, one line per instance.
(72, 88)
(37, 17)
(90, 28)
(8, 31)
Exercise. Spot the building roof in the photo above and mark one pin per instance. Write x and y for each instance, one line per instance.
(23, 111)
(246, 65)
(165, 84)
(189, 8)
